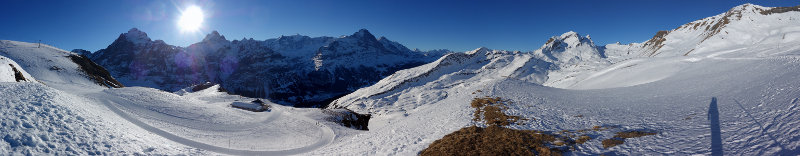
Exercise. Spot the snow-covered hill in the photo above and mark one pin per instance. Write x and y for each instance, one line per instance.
(56, 67)
(298, 70)
(70, 113)
(10, 71)
(743, 26)
(748, 61)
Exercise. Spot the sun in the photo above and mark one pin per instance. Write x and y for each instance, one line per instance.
(191, 19)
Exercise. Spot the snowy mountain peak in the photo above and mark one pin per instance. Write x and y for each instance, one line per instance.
(481, 50)
(363, 33)
(136, 36)
(570, 34)
(747, 8)
(571, 38)
(214, 36)
(570, 47)
(293, 38)
(742, 25)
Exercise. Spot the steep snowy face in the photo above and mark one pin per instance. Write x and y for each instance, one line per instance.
(131, 60)
(10, 71)
(392, 45)
(294, 69)
(297, 45)
(136, 36)
(573, 55)
(55, 67)
(361, 48)
(569, 49)
(82, 52)
(214, 36)
(744, 26)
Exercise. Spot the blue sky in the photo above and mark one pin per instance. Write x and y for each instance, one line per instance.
(426, 24)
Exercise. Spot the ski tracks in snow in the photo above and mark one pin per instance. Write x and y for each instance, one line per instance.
(327, 134)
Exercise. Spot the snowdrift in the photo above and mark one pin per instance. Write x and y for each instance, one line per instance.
(10, 71)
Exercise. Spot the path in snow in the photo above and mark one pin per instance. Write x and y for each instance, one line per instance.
(327, 134)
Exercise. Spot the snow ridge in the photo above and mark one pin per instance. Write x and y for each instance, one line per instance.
(56, 67)
(742, 26)
(136, 36)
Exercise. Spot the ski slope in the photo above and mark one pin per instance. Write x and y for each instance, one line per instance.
(70, 114)
(244, 133)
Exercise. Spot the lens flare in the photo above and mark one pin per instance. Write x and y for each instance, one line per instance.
(191, 19)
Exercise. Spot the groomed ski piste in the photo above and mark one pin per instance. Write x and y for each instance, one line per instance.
(737, 99)
(54, 117)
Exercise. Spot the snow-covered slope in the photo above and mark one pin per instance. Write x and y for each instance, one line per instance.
(757, 98)
(579, 85)
(743, 26)
(40, 120)
(10, 71)
(298, 70)
(574, 55)
(570, 49)
(56, 67)
(69, 114)
(426, 84)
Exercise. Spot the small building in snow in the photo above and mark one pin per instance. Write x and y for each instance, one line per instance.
(255, 105)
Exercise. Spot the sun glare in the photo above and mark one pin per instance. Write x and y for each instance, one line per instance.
(191, 19)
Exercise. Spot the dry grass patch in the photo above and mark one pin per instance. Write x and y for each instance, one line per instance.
(583, 139)
(633, 134)
(596, 128)
(600, 128)
(621, 136)
(491, 110)
(493, 140)
(612, 142)
(496, 139)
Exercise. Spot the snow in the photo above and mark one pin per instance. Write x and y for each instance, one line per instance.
(757, 98)
(40, 120)
(64, 116)
(737, 96)
(207, 122)
(9, 70)
(754, 84)
(742, 26)
(248, 105)
(136, 36)
(47, 64)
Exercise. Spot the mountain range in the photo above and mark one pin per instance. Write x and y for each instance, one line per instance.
(294, 70)
(573, 61)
